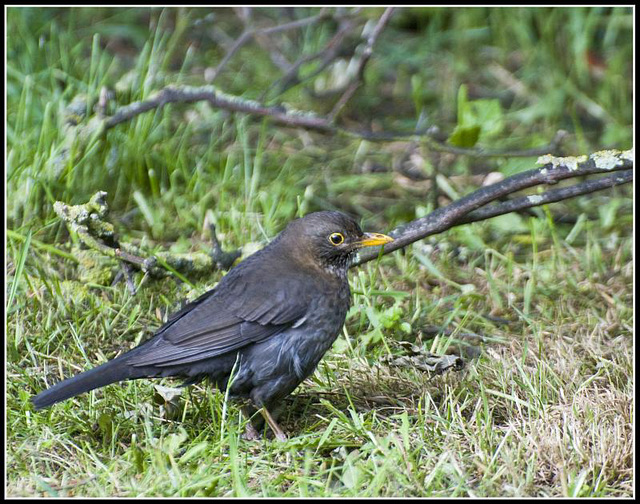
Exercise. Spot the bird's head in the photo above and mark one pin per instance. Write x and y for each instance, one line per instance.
(328, 240)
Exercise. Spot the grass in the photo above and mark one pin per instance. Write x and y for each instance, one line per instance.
(541, 309)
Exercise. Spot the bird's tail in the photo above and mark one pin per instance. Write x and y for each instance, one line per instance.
(110, 372)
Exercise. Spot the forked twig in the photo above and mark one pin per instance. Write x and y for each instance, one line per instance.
(250, 33)
(364, 59)
(466, 209)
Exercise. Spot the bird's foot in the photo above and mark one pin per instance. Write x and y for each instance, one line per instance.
(279, 433)
(250, 433)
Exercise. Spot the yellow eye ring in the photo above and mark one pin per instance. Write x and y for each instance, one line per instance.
(336, 238)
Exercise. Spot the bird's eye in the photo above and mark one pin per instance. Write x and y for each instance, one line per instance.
(336, 238)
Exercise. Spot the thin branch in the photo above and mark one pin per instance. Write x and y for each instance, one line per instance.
(326, 55)
(553, 171)
(240, 41)
(249, 33)
(431, 140)
(550, 196)
(126, 273)
(275, 54)
(552, 147)
(301, 119)
(218, 99)
(364, 59)
(245, 15)
(89, 222)
(224, 260)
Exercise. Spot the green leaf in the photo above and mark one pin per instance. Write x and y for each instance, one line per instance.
(465, 136)
(476, 119)
(487, 114)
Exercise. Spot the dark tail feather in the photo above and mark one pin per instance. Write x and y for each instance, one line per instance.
(110, 372)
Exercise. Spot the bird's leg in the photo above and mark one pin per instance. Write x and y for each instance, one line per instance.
(280, 435)
(250, 432)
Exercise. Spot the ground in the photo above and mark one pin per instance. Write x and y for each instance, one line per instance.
(538, 305)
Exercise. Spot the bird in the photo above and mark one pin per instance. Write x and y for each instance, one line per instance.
(261, 331)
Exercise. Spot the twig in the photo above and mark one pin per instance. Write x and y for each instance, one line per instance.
(554, 170)
(88, 222)
(216, 98)
(275, 54)
(296, 118)
(431, 138)
(224, 260)
(550, 196)
(366, 54)
(126, 272)
(550, 148)
(245, 15)
(249, 33)
(327, 55)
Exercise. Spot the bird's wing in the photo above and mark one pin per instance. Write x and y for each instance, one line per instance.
(224, 320)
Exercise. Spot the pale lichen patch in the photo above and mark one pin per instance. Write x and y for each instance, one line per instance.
(571, 162)
(546, 159)
(628, 155)
(535, 199)
(607, 159)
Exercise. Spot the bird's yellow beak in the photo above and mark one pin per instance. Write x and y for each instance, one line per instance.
(372, 239)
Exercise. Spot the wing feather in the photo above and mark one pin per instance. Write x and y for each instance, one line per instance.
(237, 313)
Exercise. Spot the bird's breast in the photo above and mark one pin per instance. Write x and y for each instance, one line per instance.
(314, 335)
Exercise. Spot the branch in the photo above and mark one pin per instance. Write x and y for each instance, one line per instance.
(551, 196)
(554, 170)
(88, 221)
(434, 143)
(295, 118)
(218, 99)
(223, 260)
(327, 55)
(366, 54)
(250, 33)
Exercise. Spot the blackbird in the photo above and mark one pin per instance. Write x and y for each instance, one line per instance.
(261, 331)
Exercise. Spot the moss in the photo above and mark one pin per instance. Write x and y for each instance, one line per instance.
(94, 267)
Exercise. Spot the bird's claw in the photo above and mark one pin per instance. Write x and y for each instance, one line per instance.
(250, 433)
